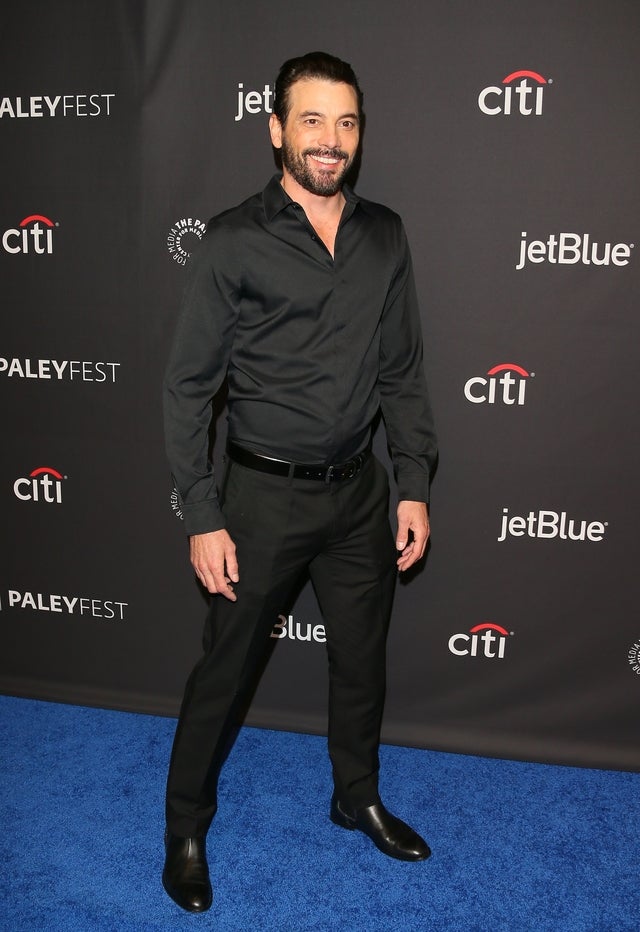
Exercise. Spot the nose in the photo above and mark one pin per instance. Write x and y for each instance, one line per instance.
(330, 136)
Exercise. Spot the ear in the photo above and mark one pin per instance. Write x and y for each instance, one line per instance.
(275, 131)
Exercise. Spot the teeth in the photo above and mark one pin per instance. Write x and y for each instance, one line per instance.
(327, 161)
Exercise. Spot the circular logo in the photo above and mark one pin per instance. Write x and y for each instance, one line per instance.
(176, 504)
(180, 240)
(634, 657)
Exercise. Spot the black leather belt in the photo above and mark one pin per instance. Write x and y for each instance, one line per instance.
(276, 467)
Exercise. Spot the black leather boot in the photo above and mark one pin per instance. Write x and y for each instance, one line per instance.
(186, 874)
(388, 833)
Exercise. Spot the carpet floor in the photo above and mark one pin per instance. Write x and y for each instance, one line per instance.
(516, 846)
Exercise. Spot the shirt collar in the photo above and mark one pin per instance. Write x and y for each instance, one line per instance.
(276, 199)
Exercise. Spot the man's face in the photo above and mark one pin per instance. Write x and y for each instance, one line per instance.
(320, 137)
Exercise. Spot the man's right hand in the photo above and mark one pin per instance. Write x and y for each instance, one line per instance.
(213, 557)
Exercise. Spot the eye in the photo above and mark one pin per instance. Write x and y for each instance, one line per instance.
(348, 124)
(311, 121)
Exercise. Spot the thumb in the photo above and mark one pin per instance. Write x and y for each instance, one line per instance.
(403, 533)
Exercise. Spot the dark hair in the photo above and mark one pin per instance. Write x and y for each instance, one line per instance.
(313, 65)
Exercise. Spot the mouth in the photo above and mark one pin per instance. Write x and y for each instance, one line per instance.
(325, 160)
(328, 159)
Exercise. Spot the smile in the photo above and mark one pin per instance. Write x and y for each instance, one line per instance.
(325, 159)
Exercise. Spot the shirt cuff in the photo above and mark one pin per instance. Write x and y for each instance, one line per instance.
(413, 488)
(202, 517)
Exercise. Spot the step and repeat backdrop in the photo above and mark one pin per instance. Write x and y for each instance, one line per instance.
(506, 134)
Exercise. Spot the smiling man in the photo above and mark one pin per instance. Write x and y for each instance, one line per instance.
(303, 298)
(321, 111)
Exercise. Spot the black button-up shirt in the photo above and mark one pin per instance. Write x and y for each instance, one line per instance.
(312, 346)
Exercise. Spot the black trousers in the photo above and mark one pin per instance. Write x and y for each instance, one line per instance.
(340, 532)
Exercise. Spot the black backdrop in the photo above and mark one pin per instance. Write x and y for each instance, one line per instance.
(506, 134)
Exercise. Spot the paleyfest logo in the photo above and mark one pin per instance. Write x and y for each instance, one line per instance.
(180, 239)
(58, 105)
(43, 484)
(522, 92)
(484, 640)
(56, 604)
(69, 370)
(34, 234)
(505, 383)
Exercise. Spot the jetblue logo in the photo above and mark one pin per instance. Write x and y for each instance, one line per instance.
(572, 248)
(253, 101)
(285, 627)
(547, 525)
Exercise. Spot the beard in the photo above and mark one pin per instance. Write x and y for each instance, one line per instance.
(315, 180)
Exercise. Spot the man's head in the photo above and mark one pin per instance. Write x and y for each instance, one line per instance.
(319, 65)
(316, 122)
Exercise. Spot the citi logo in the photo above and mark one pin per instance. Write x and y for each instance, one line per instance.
(516, 95)
(508, 388)
(571, 248)
(485, 640)
(546, 525)
(43, 484)
(34, 235)
(285, 628)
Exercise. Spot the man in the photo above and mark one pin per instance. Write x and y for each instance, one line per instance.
(303, 297)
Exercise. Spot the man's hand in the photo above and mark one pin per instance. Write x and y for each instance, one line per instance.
(213, 557)
(412, 516)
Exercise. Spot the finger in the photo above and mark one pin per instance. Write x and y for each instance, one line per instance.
(420, 543)
(213, 578)
(222, 585)
(407, 561)
(232, 564)
(204, 576)
(414, 551)
(228, 593)
(406, 558)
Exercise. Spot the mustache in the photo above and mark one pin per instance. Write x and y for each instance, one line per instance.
(327, 153)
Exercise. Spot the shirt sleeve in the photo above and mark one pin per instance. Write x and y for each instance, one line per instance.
(196, 370)
(403, 389)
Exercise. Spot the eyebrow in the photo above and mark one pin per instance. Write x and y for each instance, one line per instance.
(317, 113)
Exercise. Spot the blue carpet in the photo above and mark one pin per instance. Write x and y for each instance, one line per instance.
(516, 846)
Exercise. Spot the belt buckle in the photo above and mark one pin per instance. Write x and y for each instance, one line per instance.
(329, 475)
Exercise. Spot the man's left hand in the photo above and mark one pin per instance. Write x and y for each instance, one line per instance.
(412, 517)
